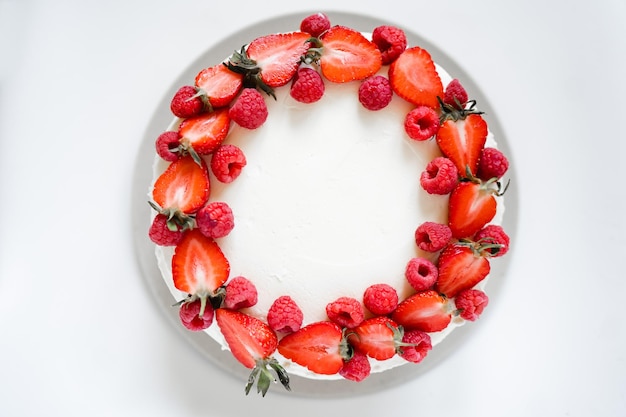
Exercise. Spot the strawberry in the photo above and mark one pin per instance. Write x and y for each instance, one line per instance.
(203, 133)
(347, 55)
(219, 85)
(378, 337)
(252, 343)
(319, 346)
(462, 141)
(472, 205)
(426, 311)
(461, 267)
(183, 186)
(413, 77)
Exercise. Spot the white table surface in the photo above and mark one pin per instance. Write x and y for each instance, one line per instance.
(81, 334)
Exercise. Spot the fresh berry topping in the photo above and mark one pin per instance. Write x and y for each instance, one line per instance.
(462, 141)
(440, 176)
(190, 317)
(375, 93)
(416, 345)
(432, 237)
(391, 41)
(315, 24)
(378, 338)
(471, 206)
(249, 109)
(284, 315)
(455, 95)
(493, 235)
(183, 186)
(167, 146)
(240, 293)
(215, 220)
(471, 303)
(219, 85)
(356, 368)
(205, 132)
(426, 311)
(319, 347)
(345, 311)
(307, 86)
(227, 162)
(421, 274)
(348, 56)
(163, 232)
(461, 267)
(187, 102)
(380, 299)
(492, 164)
(413, 77)
(421, 123)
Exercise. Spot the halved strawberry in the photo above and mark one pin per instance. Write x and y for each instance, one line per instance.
(461, 266)
(183, 186)
(252, 342)
(347, 55)
(204, 132)
(413, 77)
(462, 141)
(378, 337)
(319, 346)
(426, 311)
(219, 84)
(471, 206)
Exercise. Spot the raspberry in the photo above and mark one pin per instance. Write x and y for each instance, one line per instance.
(167, 146)
(494, 234)
(187, 102)
(492, 164)
(215, 220)
(161, 234)
(315, 24)
(421, 274)
(421, 123)
(240, 293)
(227, 162)
(455, 95)
(249, 110)
(356, 368)
(284, 315)
(346, 312)
(189, 315)
(440, 176)
(307, 86)
(391, 41)
(419, 344)
(471, 304)
(375, 93)
(431, 236)
(380, 299)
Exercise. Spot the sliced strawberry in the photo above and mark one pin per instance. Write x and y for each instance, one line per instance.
(426, 311)
(461, 267)
(205, 132)
(462, 142)
(219, 84)
(317, 346)
(183, 186)
(377, 337)
(347, 55)
(471, 206)
(413, 77)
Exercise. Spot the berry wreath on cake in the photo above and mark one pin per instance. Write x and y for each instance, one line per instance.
(326, 203)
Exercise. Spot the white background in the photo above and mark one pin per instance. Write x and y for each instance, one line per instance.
(81, 335)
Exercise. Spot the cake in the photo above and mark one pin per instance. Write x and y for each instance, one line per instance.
(327, 203)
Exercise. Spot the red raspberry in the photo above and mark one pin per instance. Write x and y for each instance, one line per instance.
(419, 344)
(471, 304)
(440, 176)
(421, 274)
(240, 293)
(167, 146)
(422, 123)
(431, 236)
(249, 110)
(455, 95)
(494, 234)
(227, 162)
(375, 93)
(492, 164)
(189, 314)
(346, 312)
(187, 102)
(391, 41)
(356, 368)
(161, 234)
(307, 86)
(215, 220)
(380, 299)
(315, 24)
(284, 315)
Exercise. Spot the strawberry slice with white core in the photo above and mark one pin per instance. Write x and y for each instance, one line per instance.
(378, 338)
(348, 56)
(183, 186)
(471, 206)
(219, 84)
(462, 141)
(413, 77)
(204, 133)
(461, 267)
(426, 311)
